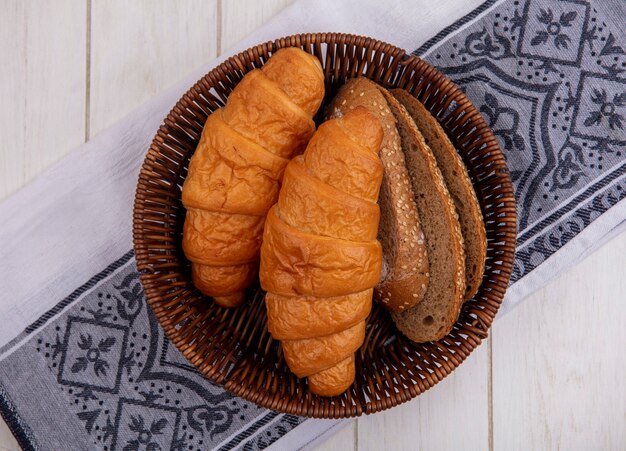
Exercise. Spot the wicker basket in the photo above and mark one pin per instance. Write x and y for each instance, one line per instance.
(233, 347)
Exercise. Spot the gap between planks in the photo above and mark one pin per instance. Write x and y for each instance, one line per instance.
(490, 392)
(218, 33)
(88, 72)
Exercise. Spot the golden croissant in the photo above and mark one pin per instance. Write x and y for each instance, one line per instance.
(320, 258)
(235, 174)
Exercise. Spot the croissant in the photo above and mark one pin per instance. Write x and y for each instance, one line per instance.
(320, 258)
(234, 175)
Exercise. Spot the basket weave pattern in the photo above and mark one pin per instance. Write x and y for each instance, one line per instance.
(232, 347)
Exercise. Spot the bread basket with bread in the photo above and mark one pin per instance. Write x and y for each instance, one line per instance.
(325, 225)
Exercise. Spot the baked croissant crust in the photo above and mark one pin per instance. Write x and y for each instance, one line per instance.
(234, 175)
(320, 258)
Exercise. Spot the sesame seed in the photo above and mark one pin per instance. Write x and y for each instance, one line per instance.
(403, 266)
(361, 94)
(415, 295)
(344, 102)
(414, 269)
(423, 285)
(427, 275)
(420, 242)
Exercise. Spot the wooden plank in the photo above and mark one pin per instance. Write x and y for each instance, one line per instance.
(241, 17)
(558, 361)
(452, 415)
(42, 86)
(7, 441)
(545, 394)
(342, 440)
(141, 47)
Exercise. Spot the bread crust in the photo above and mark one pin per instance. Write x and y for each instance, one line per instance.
(299, 263)
(316, 207)
(293, 317)
(406, 268)
(219, 239)
(433, 318)
(234, 175)
(460, 186)
(335, 380)
(260, 111)
(224, 158)
(331, 167)
(311, 355)
(319, 258)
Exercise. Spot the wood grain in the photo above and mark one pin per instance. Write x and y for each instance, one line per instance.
(425, 423)
(558, 361)
(42, 86)
(139, 48)
(343, 440)
(557, 367)
(239, 18)
(7, 441)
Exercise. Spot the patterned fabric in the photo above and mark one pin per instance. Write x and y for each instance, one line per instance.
(549, 77)
(122, 380)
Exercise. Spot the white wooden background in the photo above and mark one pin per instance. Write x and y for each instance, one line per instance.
(552, 375)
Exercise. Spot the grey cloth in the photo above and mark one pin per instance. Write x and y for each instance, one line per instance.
(548, 76)
(97, 372)
(102, 375)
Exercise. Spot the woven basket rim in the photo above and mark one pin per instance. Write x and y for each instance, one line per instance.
(154, 282)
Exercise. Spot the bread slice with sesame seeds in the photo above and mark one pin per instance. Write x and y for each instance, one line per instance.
(433, 318)
(405, 271)
(460, 186)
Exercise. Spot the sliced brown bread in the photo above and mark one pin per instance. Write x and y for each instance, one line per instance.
(432, 318)
(459, 185)
(405, 263)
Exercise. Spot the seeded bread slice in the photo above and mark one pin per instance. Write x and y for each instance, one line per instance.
(405, 263)
(432, 318)
(460, 186)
